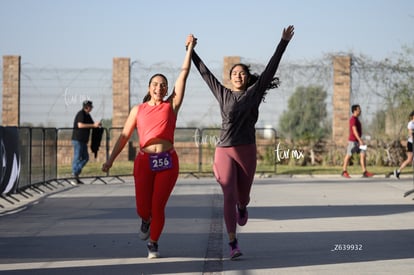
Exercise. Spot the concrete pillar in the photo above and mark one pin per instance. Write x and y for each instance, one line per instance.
(11, 91)
(228, 62)
(341, 99)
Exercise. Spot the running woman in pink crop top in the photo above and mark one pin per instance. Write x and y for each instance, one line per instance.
(156, 165)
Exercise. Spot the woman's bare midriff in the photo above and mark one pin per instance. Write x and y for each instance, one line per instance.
(157, 146)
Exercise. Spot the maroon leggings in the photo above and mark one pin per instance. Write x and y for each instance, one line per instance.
(234, 168)
(152, 191)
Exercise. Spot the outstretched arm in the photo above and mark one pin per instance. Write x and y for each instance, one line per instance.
(122, 139)
(267, 75)
(212, 82)
(89, 125)
(177, 96)
(288, 33)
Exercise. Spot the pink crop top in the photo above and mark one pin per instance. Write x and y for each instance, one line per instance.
(155, 122)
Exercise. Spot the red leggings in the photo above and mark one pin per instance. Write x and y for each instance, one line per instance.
(234, 168)
(152, 190)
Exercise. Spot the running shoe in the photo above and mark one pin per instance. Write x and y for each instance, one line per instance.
(345, 174)
(145, 230)
(234, 250)
(242, 216)
(396, 174)
(367, 174)
(153, 250)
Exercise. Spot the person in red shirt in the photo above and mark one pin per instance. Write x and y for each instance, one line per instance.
(156, 165)
(355, 143)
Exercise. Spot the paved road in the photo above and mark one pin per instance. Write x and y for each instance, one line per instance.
(297, 225)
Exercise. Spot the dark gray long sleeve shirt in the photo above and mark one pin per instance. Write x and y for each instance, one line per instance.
(240, 110)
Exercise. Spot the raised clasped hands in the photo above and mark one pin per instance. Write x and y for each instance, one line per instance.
(191, 40)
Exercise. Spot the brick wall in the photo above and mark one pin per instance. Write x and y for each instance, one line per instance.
(121, 98)
(11, 91)
(120, 91)
(341, 99)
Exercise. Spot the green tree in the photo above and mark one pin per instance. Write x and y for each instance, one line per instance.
(392, 80)
(306, 116)
(377, 126)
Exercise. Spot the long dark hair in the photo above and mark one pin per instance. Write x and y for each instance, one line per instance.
(252, 78)
(147, 97)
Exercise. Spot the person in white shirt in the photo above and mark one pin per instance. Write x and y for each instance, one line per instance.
(409, 159)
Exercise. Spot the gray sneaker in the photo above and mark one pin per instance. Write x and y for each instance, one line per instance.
(145, 230)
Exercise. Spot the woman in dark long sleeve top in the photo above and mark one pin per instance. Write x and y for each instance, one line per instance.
(235, 155)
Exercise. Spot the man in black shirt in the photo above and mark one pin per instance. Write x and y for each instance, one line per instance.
(80, 136)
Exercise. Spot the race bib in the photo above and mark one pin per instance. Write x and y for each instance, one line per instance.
(161, 161)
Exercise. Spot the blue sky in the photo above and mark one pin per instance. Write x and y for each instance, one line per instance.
(89, 33)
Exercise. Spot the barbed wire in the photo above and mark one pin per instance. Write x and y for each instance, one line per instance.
(50, 97)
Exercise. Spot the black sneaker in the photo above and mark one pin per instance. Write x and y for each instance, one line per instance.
(242, 216)
(234, 250)
(397, 174)
(145, 230)
(153, 250)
